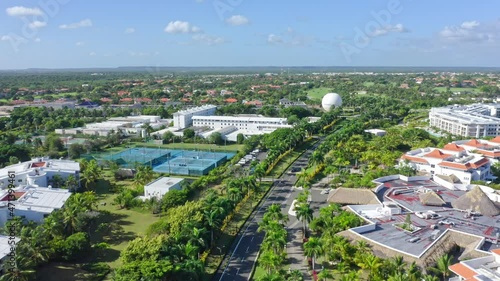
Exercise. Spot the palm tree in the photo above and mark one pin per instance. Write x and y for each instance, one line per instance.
(324, 274)
(442, 266)
(398, 276)
(22, 272)
(234, 194)
(275, 240)
(212, 222)
(312, 249)
(397, 264)
(295, 275)
(271, 277)
(270, 260)
(304, 214)
(413, 272)
(351, 276)
(428, 277)
(71, 219)
(274, 213)
(372, 264)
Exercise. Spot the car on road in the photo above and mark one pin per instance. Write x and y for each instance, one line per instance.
(446, 222)
(326, 191)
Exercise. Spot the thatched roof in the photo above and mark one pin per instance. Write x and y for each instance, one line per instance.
(451, 178)
(353, 196)
(431, 199)
(476, 200)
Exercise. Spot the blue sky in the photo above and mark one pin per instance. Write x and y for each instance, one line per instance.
(108, 33)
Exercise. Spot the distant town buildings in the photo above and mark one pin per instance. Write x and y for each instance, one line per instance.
(287, 103)
(476, 120)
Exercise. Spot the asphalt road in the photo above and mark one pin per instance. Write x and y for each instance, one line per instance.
(247, 246)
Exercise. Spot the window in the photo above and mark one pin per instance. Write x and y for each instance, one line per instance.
(19, 180)
(433, 166)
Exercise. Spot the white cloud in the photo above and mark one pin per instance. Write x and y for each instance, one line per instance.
(37, 24)
(398, 28)
(208, 39)
(92, 54)
(237, 20)
(469, 31)
(37, 40)
(82, 23)
(13, 37)
(80, 43)
(5, 38)
(21, 11)
(129, 30)
(274, 39)
(469, 24)
(181, 27)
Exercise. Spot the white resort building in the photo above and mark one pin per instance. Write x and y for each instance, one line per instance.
(33, 196)
(476, 120)
(184, 118)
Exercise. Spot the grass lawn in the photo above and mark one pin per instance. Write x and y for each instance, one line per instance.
(443, 89)
(318, 93)
(286, 161)
(368, 84)
(229, 147)
(123, 226)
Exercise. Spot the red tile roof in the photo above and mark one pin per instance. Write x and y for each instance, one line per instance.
(415, 159)
(164, 99)
(496, 251)
(465, 167)
(489, 153)
(106, 100)
(453, 147)
(436, 153)
(463, 271)
(126, 100)
(231, 100)
(496, 139)
(473, 142)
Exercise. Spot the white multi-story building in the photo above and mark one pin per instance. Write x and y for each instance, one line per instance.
(184, 118)
(31, 203)
(476, 120)
(131, 125)
(234, 125)
(451, 160)
(38, 172)
(266, 124)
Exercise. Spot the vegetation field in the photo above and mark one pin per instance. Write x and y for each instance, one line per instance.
(368, 84)
(444, 89)
(318, 93)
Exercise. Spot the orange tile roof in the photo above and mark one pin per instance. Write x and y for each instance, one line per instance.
(496, 139)
(436, 153)
(463, 271)
(481, 162)
(231, 100)
(454, 165)
(473, 142)
(489, 153)
(496, 251)
(465, 167)
(453, 147)
(415, 159)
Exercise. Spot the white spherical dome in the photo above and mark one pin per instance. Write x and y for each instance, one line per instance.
(331, 100)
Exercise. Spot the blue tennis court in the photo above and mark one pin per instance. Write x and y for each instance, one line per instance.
(171, 161)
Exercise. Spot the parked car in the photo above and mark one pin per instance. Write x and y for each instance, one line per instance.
(446, 222)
